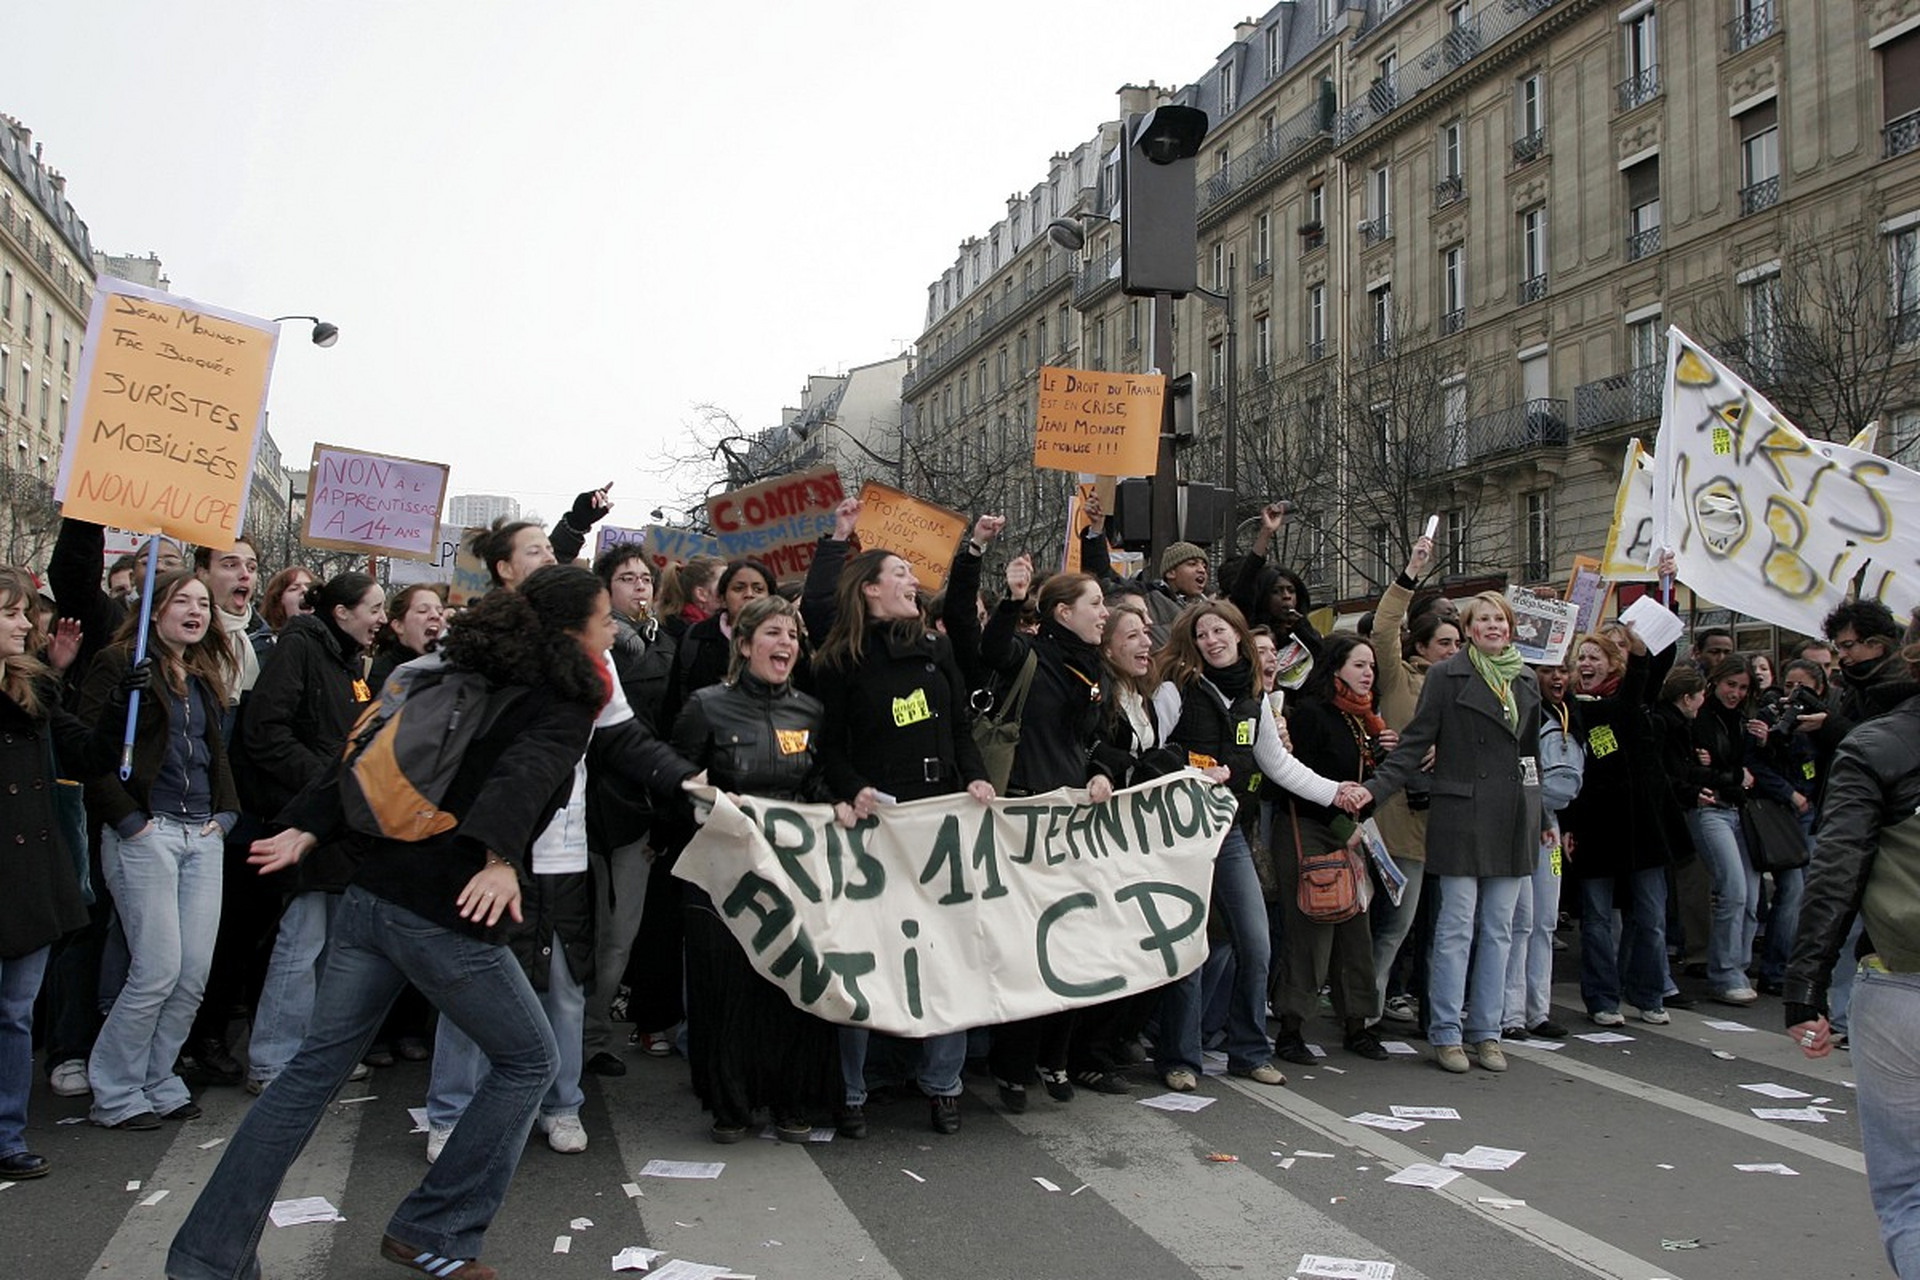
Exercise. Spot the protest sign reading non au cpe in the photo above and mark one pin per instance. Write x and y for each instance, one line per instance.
(919, 532)
(370, 502)
(173, 395)
(777, 521)
(1104, 423)
(943, 914)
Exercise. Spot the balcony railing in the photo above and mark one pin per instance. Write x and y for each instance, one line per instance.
(1900, 135)
(1312, 236)
(1529, 148)
(1097, 274)
(1289, 138)
(1453, 321)
(1316, 351)
(1133, 344)
(1906, 325)
(1640, 88)
(1374, 230)
(1381, 348)
(1420, 72)
(1448, 190)
(39, 249)
(1263, 268)
(997, 311)
(1763, 194)
(1642, 244)
(1753, 26)
(1619, 400)
(1262, 374)
(1531, 289)
(1216, 393)
(1528, 425)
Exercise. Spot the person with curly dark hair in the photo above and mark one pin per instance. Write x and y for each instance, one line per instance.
(435, 912)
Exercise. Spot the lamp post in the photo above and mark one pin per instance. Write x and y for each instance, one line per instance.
(1230, 427)
(324, 334)
(899, 464)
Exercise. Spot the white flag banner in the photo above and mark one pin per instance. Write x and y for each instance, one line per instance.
(1765, 521)
(939, 915)
(1630, 539)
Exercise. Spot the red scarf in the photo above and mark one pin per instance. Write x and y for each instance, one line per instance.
(1608, 687)
(1357, 706)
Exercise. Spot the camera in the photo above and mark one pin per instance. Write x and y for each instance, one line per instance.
(1781, 709)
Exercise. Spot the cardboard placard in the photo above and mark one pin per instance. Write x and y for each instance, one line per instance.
(173, 395)
(1105, 423)
(777, 521)
(358, 501)
(438, 568)
(670, 545)
(1587, 589)
(471, 580)
(612, 535)
(921, 533)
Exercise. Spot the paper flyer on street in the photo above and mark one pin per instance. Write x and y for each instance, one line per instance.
(1424, 1175)
(1771, 1167)
(1800, 1115)
(1314, 1264)
(1177, 1102)
(1494, 1158)
(1725, 1024)
(1771, 1090)
(1400, 1048)
(1605, 1037)
(1425, 1113)
(681, 1169)
(293, 1213)
(635, 1258)
(1375, 1120)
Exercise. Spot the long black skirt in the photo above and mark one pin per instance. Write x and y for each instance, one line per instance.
(748, 1045)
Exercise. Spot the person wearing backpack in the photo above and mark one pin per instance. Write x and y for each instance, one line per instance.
(435, 911)
(1061, 717)
(309, 694)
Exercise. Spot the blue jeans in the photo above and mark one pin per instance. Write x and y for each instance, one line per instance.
(1788, 888)
(1468, 965)
(941, 1059)
(166, 887)
(1236, 892)
(377, 948)
(1391, 925)
(1840, 987)
(1736, 894)
(293, 976)
(1886, 1058)
(1530, 960)
(459, 1064)
(620, 882)
(19, 984)
(1635, 963)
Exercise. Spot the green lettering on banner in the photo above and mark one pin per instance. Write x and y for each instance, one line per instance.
(946, 849)
(1080, 840)
(1110, 828)
(986, 858)
(775, 821)
(816, 970)
(1188, 826)
(1031, 812)
(1055, 983)
(1149, 804)
(768, 903)
(852, 844)
(1221, 807)
(1159, 937)
(1055, 854)
(910, 968)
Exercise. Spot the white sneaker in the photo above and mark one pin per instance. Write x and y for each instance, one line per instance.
(1608, 1018)
(1737, 996)
(565, 1134)
(437, 1136)
(70, 1079)
(1655, 1017)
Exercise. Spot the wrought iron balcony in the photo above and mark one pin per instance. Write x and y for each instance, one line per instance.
(1900, 135)
(1641, 244)
(1381, 348)
(1133, 344)
(1291, 137)
(1316, 350)
(1097, 274)
(1453, 321)
(1750, 28)
(1262, 374)
(1423, 70)
(1216, 393)
(1530, 148)
(1640, 88)
(1532, 289)
(1374, 230)
(1312, 236)
(1763, 194)
(1906, 325)
(1448, 189)
(1619, 400)
(1263, 268)
(1529, 425)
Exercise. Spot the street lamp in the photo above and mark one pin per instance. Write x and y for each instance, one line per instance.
(800, 432)
(324, 334)
(1070, 235)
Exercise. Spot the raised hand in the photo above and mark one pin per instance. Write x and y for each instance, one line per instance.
(63, 646)
(845, 517)
(1422, 557)
(1020, 576)
(591, 507)
(986, 529)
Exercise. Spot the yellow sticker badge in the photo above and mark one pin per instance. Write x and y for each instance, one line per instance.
(792, 741)
(1602, 742)
(361, 693)
(911, 709)
(1243, 734)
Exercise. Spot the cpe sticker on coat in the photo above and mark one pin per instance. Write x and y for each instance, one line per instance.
(911, 709)
(1602, 742)
(1529, 771)
(1243, 734)
(792, 742)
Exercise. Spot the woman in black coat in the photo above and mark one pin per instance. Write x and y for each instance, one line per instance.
(1722, 738)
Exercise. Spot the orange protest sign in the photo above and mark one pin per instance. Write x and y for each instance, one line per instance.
(173, 394)
(922, 534)
(1108, 423)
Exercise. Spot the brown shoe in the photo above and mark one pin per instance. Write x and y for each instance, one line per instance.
(429, 1263)
(1492, 1056)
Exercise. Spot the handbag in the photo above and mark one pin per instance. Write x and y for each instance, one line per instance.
(1775, 839)
(69, 800)
(997, 733)
(1330, 888)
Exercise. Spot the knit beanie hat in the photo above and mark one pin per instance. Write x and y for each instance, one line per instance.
(1178, 554)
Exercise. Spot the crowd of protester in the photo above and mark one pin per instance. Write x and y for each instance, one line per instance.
(215, 920)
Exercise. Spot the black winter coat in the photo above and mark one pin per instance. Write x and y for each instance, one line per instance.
(702, 660)
(1623, 818)
(1722, 734)
(308, 696)
(36, 868)
(897, 720)
(1323, 741)
(755, 739)
(1063, 715)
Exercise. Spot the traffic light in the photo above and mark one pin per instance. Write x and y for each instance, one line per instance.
(1180, 390)
(1158, 238)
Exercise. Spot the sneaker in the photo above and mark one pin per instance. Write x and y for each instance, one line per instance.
(1547, 1029)
(1267, 1073)
(1059, 1087)
(1451, 1057)
(565, 1134)
(1180, 1080)
(727, 1134)
(413, 1049)
(1492, 1056)
(945, 1115)
(606, 1064)
(429, 1263)
(1674, 1000)
(792, 1129)
(69, 1079)
(1012, 1096)
(1403, 1009)
(257, 1087)
(1608, 1018)
(138, 1122)
(1515, 1033)
(188, 1110)
(1741, 996)
(1655, 1017)
(1367, 1045)
(851, 1122)
(360, 1072)
(1292, 1047)
(1103, 1082)
(655, 1044)
(437, 1136)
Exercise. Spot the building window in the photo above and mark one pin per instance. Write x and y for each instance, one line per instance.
(963, 395)
(1760, 320)
(1100, 343)
(1533, 255)
(1448, 187)
(1226, 90)
(27, 321)
(5, 357)
(1453, 556)
(1905, 442)
(1000, 369)
(1753, 21)
(1218, 257)
(1263, 246)
(26, 384)
(1903, 282)
(1453, 396)
(1040, 339)
(1221, 160)
(1900, 94)
(1263, 342)
(1313, 228)
(1133, 325)
(1379, 205)
(1384, 93)
(1539, 537)
(1023, 353)
(1272, 36)
(1530, 124)
(46, 344)
(1216, 370)
(1316, 321)
(1330, 11)
(1453, 289)
(1065, 325)
(1643, 209)
(994, 245)
(6, 296)
(1760, 158)
(1642, 60)
(1380, 304)
(1381, 539)
(1645, 345)
(46, 401)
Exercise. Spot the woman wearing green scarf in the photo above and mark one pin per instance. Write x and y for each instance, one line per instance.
(1479, 713)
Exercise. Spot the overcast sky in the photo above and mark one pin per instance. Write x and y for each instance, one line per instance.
(549, 230)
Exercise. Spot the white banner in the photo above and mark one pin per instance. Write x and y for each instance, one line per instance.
(1630, 539)
(939, 915)
(1765, 521)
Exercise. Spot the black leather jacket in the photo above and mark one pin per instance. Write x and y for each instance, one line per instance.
(755, 739)
(1874, 784)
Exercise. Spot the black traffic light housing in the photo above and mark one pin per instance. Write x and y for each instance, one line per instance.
(1159, 243)
(1180, 391)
